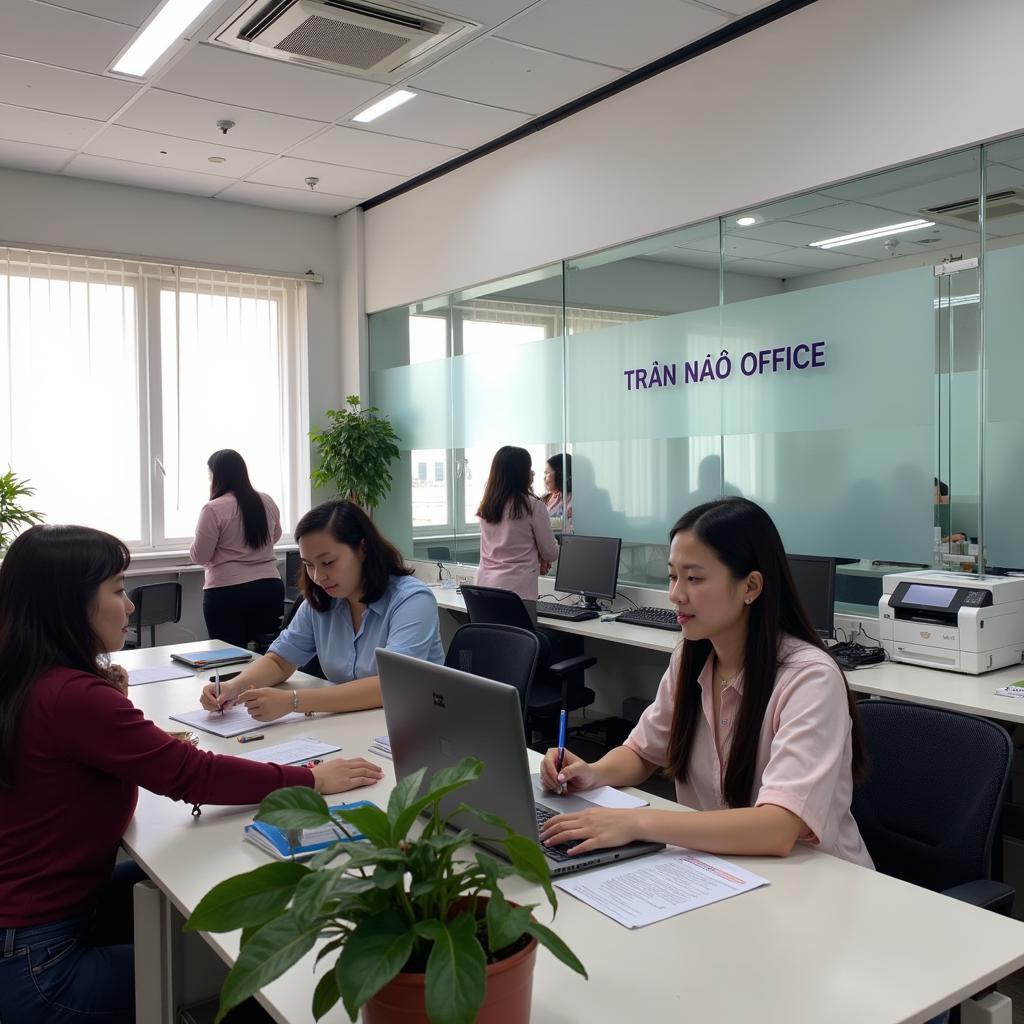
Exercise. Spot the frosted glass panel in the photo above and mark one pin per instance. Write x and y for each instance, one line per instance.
(1004, 425)
(840, 453)
(417, 398)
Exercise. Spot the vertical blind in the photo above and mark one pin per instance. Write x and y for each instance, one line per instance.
(121, 378)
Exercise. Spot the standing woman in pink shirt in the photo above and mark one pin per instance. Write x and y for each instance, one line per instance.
(516, 541)
(243, 594)
(753, 718)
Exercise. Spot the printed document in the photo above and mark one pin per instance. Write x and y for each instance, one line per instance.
(648, 889)
(232, 722)
(606, 796)
(296, 751)
(137, 676)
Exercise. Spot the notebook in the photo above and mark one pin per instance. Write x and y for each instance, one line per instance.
(212, 657)
(298, 844)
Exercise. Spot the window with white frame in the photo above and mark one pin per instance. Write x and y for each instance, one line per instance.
(121, 378)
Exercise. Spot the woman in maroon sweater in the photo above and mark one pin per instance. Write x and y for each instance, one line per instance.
(73, 752)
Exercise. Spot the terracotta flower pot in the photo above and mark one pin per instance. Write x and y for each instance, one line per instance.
(509, 992)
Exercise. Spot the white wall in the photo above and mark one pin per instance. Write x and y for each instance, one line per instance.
(52, 211)
(832, 91)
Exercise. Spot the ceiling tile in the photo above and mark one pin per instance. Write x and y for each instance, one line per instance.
(623, 35)
(334, 180)
(450, 122)
(66, 92)
(55, 36)
(128, 12)
(353, 148)
(301, 200)
(849, 217)
(762, 268)
(25, 156)
(486, 12)
(512, 76)
(739, 6)
(215, 73)
(171, 153)
(780, 231)
(818, 259)
(191, 118)
(753, 248)
(123, 172)
(20, 124)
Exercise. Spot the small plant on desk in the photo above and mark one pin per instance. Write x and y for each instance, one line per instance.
(417, 929)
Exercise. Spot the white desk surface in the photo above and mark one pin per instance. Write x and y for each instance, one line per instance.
(955, 690)
(825, 941)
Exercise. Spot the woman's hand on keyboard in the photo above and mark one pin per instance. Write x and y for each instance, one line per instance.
(595, 829)
(576, 774)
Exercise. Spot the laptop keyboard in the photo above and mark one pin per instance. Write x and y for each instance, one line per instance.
(560, 852)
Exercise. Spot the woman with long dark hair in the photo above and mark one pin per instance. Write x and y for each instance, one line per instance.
(243, 594)
(753, 718)
(516, 541)
(73, 752)
(558, 490)
(358, 595)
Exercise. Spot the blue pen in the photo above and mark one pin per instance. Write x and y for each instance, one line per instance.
(563, 719)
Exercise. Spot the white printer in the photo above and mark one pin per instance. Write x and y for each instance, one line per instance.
(952, 620)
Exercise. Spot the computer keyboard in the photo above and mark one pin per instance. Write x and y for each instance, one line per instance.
(853, 656)
(659, 618)
(560, 852)
(566, 612)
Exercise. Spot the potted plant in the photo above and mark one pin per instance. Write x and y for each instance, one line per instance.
(356, 452)
(13, 517)
(420, 935)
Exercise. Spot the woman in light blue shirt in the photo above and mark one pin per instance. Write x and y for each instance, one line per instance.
(359, 596)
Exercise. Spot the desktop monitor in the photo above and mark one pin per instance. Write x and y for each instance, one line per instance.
(815, 579)
(588, 566)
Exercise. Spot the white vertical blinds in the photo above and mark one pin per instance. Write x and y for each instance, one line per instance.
(121, 378)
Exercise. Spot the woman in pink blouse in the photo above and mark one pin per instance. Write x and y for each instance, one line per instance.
(753, 718)
(243, 594)
(516, 541)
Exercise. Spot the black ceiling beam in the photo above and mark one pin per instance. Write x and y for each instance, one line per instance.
(749, 23)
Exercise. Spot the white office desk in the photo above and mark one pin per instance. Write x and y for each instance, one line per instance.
(825, 941)
(955, 690)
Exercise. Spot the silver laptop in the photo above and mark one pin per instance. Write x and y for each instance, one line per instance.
(437, 716)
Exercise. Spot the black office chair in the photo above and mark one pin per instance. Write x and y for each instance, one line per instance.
(155, 604)
(554, 682)
(439, 553)
(505, 654)
(929, 811)
(313, 668)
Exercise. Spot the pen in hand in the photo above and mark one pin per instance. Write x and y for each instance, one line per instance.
(562, 719)
(216, 689)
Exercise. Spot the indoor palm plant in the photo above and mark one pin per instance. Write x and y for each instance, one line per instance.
(13, 517)
(398, 911)
(356, 452)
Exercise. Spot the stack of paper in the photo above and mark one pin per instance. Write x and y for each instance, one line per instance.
(297, 751)
(232, 721)
(137, 676)
(381, 746)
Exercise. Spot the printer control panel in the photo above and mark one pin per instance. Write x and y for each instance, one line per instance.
(930, 602)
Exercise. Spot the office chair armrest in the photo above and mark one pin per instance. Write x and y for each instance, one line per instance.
(986, 894)
(577, 664)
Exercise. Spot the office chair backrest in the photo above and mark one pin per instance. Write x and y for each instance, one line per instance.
(929, 810)
(292, 568)
(490, 604)
(505, 654)
(439, 552)
(155, 604)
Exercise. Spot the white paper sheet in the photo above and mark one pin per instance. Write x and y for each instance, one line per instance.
(232, 722)
(606, 796)
(1016, 691)
(647, 889)
(296, 751)
(137, 676)
(381, 746)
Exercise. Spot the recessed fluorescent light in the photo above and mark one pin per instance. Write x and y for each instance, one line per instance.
(159, 35)
(746, 222)
(381, 107)
(863, 236)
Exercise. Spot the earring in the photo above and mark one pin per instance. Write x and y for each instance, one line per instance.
(747, 600)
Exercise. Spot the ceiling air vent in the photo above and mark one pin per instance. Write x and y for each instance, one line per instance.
(382, 41)
(1007, 203)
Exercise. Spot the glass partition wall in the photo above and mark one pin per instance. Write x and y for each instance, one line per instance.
(847, 358)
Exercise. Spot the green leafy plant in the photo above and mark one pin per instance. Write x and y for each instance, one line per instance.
(395, 904)
(13, 517)
(356, 452)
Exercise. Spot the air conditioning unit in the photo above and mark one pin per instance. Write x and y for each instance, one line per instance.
(1006, 203)
(382, 41)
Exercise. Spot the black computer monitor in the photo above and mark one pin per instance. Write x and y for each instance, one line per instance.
(588, 566)
(815, 579)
